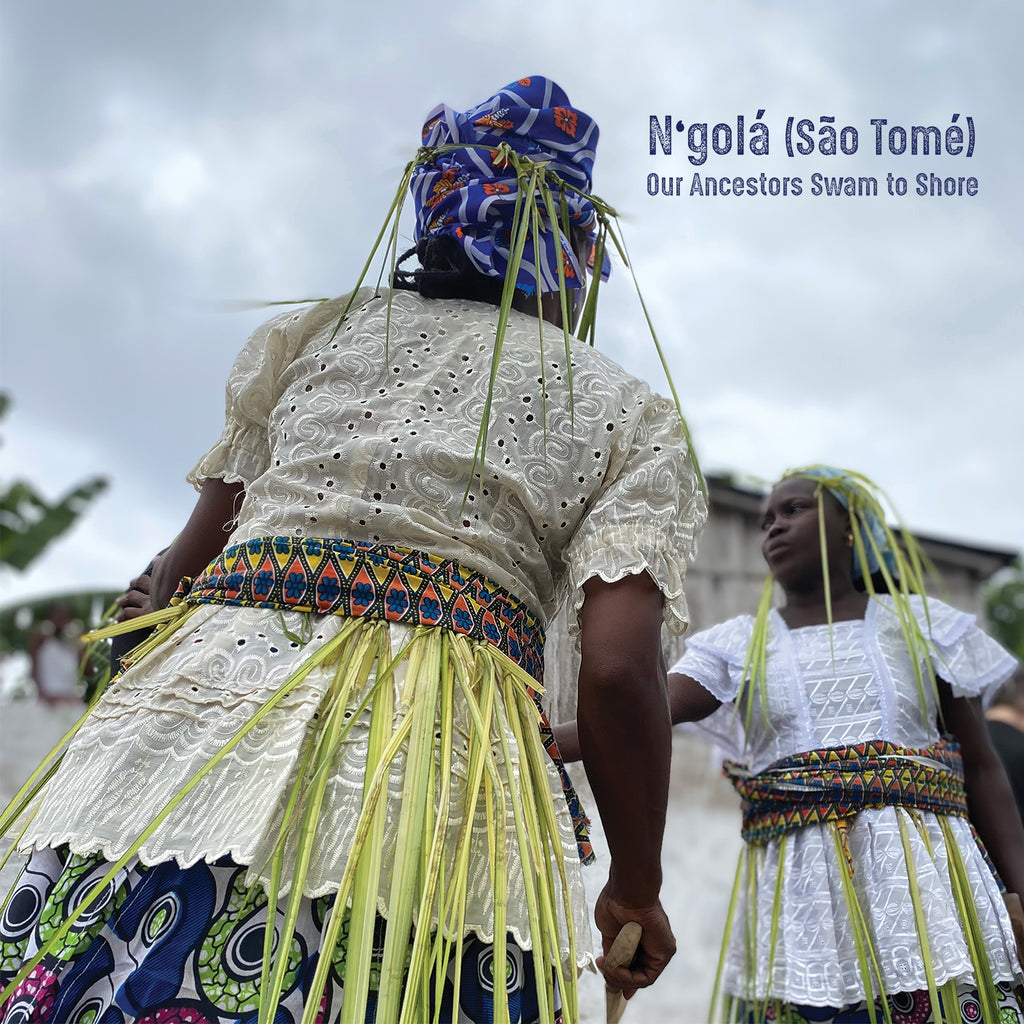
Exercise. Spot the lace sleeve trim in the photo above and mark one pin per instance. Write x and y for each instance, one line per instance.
(964, 655)
(238, 457)
(615, 552)
(710, 653)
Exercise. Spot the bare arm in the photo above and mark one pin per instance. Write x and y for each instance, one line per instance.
(625, 739)
(203, 537)
(688, 701)
(989, 795)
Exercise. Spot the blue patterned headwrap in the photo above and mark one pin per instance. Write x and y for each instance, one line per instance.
(848, 490)
(470, 193)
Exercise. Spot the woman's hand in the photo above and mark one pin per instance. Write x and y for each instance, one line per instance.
(135, 601)
(657, 943)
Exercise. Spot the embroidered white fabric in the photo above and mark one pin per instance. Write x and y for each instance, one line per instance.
(869, 692)
(375, 440)
(334, 440)
(158, 727)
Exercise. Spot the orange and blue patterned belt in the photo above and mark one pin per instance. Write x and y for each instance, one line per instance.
(377, 581)
(363, 580)
(834, 783)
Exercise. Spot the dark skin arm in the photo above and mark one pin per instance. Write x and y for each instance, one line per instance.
(688, 702)
(207, 529)
(990, 800)
(626, 744)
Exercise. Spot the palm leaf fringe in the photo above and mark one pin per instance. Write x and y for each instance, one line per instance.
(18, 810)
(943, 996)
(725, 1009)
(411, 721)
(539, 207)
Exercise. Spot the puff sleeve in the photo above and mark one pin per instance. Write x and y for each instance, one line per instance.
(711, 653)
(965, 656)
(645, 517)
(715, 658)
(242, 453)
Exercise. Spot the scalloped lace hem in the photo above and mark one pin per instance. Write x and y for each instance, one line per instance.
(677, 612)
(204, 471)
(916, 982)
(725, 694)
(988, 683)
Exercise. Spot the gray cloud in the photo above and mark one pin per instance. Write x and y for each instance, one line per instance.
(161, 160)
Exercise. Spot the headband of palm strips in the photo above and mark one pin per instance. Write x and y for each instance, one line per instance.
(509, 180)
(877, 550)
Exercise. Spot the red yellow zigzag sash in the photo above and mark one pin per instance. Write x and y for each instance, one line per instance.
(835, 783)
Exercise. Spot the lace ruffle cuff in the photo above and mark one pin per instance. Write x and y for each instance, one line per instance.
(615, 552)
(238, 457)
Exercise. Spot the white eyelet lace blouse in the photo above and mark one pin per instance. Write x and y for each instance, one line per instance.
(343, 434)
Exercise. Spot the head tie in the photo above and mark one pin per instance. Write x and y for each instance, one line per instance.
(476, 161)
(872, 540)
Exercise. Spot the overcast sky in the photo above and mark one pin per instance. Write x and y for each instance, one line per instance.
(162, 160)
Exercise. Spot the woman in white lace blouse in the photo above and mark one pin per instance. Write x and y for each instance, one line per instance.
(346, 704)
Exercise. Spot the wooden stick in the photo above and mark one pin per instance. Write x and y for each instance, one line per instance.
(622, 952)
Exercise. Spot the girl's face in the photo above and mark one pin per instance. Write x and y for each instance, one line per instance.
(791, 544)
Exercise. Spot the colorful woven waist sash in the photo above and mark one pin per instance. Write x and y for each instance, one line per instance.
(352, 578)
(362, 580)
(835, 783)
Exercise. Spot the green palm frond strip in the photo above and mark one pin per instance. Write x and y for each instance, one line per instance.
(773, 932)
(99, 888)
(724, 1011)
(922, 928)
(540, 196)
(960, 883)
(863, 940)
(753, 684)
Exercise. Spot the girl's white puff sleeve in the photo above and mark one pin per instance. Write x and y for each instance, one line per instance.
(711, 653)
(647, 514)
(963, 655)
(715, 658)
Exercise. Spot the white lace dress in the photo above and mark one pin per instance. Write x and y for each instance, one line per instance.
(868, 692)
(350, 436)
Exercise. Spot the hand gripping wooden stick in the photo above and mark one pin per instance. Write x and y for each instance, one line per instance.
(622, 952)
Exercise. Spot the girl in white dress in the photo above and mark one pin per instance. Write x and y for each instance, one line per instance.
(871, 790)
(874, 882)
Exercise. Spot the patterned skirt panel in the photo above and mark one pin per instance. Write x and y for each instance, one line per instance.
(167, 945)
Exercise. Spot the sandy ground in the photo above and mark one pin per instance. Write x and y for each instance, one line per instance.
(701, 846)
